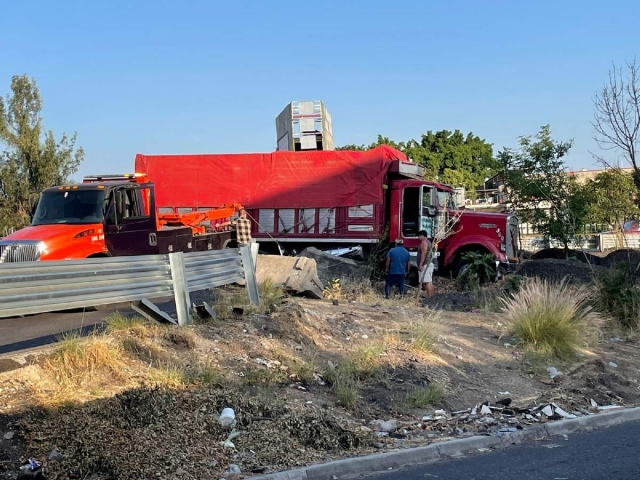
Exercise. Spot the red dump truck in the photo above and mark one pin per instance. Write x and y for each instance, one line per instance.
(330, 199)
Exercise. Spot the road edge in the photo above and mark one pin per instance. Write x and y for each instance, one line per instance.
(382, 462)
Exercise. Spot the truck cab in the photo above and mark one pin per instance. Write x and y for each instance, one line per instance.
(106, 215)
(424, 205)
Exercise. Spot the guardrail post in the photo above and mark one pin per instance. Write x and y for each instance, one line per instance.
(180, 288)
(250, 274)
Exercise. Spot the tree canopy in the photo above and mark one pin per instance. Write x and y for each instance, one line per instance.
(612, 198)
(539, 187)
(449, 157)
(31, 159)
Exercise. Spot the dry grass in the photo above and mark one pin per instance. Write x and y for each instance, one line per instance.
(171, 375)
(344, 382)
(366, 360)
(77, 360)
(552, 319)
(116, 322)
(80, 368)
(431, 395)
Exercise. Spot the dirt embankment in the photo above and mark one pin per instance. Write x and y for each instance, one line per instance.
(310, 381)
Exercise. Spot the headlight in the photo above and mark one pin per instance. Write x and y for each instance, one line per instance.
(42, 249)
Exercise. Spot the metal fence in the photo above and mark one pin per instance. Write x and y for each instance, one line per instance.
(37, 287)
(597, 242)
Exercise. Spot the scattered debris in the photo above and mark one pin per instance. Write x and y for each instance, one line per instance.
(485, 410)
(386, 426)
(227, 417)
(609, 407)
(613, 365)
(553, 372)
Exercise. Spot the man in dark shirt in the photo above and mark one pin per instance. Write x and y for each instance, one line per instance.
(397, 266)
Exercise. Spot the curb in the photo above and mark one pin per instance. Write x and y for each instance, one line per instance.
(350, 467)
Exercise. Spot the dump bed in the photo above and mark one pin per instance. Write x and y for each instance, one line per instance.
(318, 179)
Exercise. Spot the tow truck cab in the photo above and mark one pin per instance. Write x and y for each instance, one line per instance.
(106, 215)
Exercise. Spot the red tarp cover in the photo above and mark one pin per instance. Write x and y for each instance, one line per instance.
(270, 180)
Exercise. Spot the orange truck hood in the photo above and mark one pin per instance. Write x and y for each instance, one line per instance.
(61, 242)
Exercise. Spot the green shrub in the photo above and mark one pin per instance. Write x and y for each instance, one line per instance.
(478, 268)
(618, 295)
(512, 284)
(551, 319)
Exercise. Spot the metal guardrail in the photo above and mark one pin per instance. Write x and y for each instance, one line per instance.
(36, 287)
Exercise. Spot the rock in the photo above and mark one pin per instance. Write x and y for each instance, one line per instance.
(233, 469)
(9, 435)
(488, 420)
(294, 274)
(613, 365)
(385, 425)
(548, 411)
(56, 456)
(504, 402)
(330, 266)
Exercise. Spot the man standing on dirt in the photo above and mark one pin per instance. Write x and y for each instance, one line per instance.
(425, 272)
(397, 266)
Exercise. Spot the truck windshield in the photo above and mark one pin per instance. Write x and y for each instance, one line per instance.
(70, 206)
(446, 200)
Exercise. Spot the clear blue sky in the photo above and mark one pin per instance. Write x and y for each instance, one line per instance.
(210, 77)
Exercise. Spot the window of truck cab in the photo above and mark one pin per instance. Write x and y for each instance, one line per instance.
(446, 199)
(127, 204)
(76, 207)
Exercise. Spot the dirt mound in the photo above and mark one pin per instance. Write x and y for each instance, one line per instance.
(625, 255)
(576, 272)
(177, 435)
(560, 254)
(596, 380)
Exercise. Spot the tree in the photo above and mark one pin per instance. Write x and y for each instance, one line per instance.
(617, 115)
(540, 189)
(31, 159)
(448, 157)
(612, 200)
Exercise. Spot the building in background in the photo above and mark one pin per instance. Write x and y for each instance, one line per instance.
(304, 126)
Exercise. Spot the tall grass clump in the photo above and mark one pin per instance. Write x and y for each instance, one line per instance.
(619, 296)
(270, 294)
(551, 319)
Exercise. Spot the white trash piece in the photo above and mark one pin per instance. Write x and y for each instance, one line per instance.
(227, 417)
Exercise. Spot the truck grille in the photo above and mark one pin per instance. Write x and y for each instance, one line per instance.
(21, 251)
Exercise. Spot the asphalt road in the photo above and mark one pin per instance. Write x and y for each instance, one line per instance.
(608, 454)
(20, 333)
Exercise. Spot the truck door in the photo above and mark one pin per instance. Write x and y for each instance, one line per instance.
(428, 210)
(130, 229)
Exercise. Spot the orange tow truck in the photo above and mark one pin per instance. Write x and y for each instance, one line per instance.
(112, 215)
